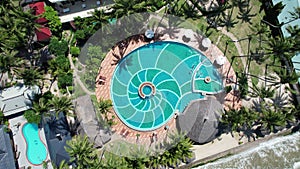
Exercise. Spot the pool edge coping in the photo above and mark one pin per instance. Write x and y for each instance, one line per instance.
(46, 147)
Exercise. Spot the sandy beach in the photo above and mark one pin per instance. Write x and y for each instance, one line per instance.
(228, 145)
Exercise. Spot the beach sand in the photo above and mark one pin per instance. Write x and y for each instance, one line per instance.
(225, 142)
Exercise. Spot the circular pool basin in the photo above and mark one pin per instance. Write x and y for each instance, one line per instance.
(156, 80)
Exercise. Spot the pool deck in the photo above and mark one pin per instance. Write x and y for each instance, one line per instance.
(20, 143)
(121, 131)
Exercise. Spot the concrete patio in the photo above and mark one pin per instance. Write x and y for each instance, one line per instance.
(16, 125)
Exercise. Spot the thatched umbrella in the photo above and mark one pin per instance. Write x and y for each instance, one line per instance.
(200, 120)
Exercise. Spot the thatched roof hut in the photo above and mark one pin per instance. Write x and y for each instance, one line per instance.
(200, 120)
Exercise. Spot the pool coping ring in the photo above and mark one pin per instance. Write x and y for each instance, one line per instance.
(142, 94)
(207, 79)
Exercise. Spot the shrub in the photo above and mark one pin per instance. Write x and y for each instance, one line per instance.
(64, 80)
(70, 88)
(75, 51)
(58, 47)
(32, 117)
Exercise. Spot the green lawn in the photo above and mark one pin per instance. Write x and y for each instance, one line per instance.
(255, 68)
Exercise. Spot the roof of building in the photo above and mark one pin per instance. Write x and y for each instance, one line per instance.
(90, 126)
(200, 120)
(17, 99)
(43, 34)
(57, 133)
(39, 9)
(6, 153)
(285, 16)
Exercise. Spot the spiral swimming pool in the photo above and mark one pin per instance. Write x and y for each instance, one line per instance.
(156, 80)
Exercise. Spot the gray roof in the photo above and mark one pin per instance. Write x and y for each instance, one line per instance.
(55, 126)
(17, 99)
(90, 126)
(57, 149)
(6, 153)
(200, 120)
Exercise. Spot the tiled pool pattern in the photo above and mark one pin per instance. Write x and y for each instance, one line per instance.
(156, 80)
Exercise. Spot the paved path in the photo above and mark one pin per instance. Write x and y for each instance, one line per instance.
(236, 43)
(76, 77)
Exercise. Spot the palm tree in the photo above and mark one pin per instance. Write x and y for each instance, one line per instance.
(138, 157)
(233, 119)
(126, 7)
(82, 152)
(99, 18)
(31, 76)
(178, 149)
(61, 105)
(243, 84)
(63, 165)
(262, 92)
(286, 77)
(249, 118)
(41, 106)
(189, 10)
(281, 47)
(8, 62)
(104, 107)
(16, 25)
(261, 30)
(112, 161)
(32, 117)
(271, 118)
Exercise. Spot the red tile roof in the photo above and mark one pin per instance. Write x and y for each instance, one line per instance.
(43, 34)
(39, 9)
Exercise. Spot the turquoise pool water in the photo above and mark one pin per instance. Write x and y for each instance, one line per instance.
(156, 80)
(36, 151)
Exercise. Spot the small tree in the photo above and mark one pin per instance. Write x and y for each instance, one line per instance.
(53, 20)
(58, 47)
(64, 80)
(32, 116)
(75, 51)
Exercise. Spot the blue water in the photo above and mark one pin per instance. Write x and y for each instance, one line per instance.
(36, 151)
(169, 67)
(147, 90)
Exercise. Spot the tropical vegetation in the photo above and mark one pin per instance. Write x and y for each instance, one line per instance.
(84, 155)
(263, 68)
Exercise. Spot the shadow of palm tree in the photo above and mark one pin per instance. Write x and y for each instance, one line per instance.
(171, 28)
(202, 33)
(227, 20)
(245, 16)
